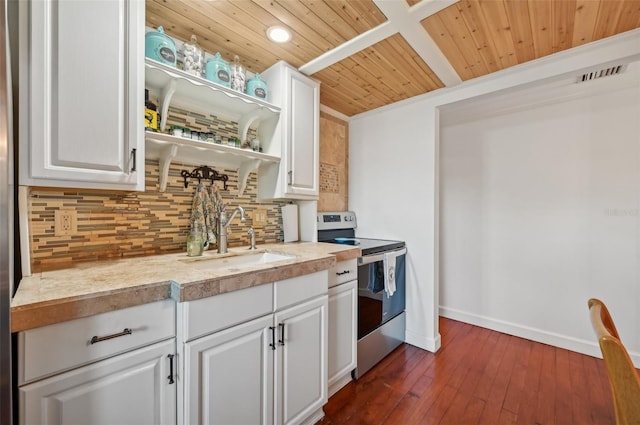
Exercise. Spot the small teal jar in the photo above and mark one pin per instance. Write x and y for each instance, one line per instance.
(257, 87)
(160, 47)
(218, 71)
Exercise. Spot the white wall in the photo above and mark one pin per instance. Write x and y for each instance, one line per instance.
(540, 210)
(391, 186)
(394, 160)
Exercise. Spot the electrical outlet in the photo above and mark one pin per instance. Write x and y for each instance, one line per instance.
(66, 222)
(259, 218)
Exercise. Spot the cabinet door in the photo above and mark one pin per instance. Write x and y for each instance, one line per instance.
(301, 362)
(131, 388)
(303, 140)
(229, 376)
(82, 102)
(343, 304)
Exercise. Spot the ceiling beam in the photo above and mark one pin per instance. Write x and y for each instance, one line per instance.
(348, 48)
(400, 19)
(407, 21)
(426, 8)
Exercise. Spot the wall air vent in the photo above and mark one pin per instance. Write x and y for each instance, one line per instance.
(601, 73)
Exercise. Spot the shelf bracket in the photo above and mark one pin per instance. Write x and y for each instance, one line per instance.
(165, 100)
(267, 127)
(167, 155)
(243, 173)
(246, 121)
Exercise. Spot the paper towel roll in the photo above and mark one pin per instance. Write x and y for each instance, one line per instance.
(290, 222)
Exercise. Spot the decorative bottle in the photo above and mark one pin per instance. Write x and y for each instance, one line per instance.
(195, 244)
(238, 78)
(192, 57)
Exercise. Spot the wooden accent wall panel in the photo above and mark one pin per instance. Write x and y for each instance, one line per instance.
(334, 164)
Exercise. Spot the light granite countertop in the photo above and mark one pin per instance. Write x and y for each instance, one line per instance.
(97, 287)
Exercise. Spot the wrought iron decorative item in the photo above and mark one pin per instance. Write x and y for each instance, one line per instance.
(205, 173)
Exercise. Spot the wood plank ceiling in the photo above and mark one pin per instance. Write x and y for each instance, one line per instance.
(371, 53)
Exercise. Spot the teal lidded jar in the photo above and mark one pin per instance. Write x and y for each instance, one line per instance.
(257, 87)
(218, 71)
(160, 47)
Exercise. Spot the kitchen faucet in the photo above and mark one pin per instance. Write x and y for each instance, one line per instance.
(223, 222)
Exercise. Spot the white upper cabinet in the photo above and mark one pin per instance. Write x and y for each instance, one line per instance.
(82, 94)
(297, 175)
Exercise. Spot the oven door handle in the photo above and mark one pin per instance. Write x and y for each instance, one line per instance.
(368, 259)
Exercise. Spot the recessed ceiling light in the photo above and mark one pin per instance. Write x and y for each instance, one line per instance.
(278, 34)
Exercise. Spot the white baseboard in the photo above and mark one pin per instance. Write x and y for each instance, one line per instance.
(338, 384)
(421, 341)
(589, 348)
(314, 418)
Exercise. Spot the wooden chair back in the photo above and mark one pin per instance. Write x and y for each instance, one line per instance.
(623, 376)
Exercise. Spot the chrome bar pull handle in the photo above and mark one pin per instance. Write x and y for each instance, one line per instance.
(272, 344)
(342, 272)
(133, 160)
(281, 338)
(95, 339)
(170, 377)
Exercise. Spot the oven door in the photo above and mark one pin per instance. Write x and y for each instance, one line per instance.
(375, 306)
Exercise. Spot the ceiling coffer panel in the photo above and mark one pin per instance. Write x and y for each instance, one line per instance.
(477, 37)
(387, 72)
(238, 27)
(483, 36)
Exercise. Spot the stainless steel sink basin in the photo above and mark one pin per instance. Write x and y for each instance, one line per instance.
(204, 263)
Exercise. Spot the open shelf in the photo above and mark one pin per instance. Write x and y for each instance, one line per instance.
(173, 85)
(166, 149)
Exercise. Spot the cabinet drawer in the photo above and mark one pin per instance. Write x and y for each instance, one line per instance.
(51, 349)
(292, 291)
(208, 315)
(342, 272)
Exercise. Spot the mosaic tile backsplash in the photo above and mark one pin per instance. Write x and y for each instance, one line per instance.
(126, 224)
(112, 224)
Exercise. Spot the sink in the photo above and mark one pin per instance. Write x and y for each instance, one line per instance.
(240, 260)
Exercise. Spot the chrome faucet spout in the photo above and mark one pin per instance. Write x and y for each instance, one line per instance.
(223, 223)
(233, 214)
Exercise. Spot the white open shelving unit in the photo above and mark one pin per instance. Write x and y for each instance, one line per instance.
(172, 85)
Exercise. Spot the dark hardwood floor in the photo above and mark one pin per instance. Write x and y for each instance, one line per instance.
(479, 376)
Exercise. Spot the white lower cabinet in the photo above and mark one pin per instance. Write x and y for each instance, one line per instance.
(131, 388)
(117, 367)
(229, 376)
(301, 361)
(270, 369)
(343, 307)
(343, 323)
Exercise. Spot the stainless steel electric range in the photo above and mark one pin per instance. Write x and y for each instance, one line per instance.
(381, 287)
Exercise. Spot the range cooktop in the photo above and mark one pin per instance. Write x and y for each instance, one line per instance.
(368, 246)
(339, 227)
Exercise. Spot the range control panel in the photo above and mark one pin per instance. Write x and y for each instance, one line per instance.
(336, 220)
